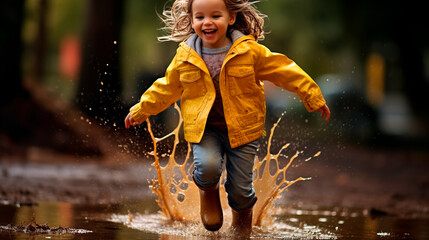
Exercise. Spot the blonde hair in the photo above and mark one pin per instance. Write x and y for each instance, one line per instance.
(178, 19)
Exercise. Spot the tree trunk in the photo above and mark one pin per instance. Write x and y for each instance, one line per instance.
(99, 88)
(39, 58)
(11, 15)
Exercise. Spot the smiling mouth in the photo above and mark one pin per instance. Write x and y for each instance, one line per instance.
(209, 31)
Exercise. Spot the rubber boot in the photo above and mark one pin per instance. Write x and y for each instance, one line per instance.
(242, 221)
(210, 207)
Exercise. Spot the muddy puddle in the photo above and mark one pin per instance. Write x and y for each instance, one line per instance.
(141, 220)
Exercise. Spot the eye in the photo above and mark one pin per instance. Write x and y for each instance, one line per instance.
(199, 17)
(216, 16)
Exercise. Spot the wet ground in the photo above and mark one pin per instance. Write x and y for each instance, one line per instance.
(354, 193)
(107, 221)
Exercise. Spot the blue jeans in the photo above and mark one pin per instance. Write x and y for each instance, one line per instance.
(208, 160)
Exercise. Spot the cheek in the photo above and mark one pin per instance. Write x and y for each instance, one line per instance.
(195, 24)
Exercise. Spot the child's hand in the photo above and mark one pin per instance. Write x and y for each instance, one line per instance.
(325, 112)
(129, 121)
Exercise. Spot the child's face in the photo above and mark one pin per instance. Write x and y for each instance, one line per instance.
(210, 20)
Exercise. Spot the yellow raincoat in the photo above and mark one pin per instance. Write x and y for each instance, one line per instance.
(246, 66)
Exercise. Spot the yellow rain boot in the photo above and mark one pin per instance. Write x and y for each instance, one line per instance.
(242, 221)
(210, 207)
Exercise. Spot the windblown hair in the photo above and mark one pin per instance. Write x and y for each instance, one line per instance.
(178, 24)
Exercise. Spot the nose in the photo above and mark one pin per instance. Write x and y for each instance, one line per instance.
(207, 22)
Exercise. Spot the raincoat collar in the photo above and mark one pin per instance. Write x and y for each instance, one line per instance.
(195, 41)
(194, 44)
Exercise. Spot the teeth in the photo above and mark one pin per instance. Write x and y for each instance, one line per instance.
(209, 31)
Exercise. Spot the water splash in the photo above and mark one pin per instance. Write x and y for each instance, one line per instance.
(178, 196)
(157, 224)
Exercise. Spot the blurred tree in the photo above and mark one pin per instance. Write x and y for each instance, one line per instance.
(27, 120)
(383, 25)
(143, 57)
(39, 59)
(99, 87)
(11, 15)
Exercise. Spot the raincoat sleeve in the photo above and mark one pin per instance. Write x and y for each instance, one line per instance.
(283, 72)
(163, 93)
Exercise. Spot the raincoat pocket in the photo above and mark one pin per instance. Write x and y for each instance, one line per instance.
(193, 83)
(248, 119)
(241, 79)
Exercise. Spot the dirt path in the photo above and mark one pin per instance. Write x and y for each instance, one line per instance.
(27, 183)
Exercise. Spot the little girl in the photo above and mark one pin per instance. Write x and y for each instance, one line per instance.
(218, 74)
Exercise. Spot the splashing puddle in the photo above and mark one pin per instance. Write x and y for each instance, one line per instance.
(158, 224)
(140, 219)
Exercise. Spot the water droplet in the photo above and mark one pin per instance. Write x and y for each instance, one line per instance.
(383, 234)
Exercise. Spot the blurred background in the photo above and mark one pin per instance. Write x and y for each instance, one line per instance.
(71, 69)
